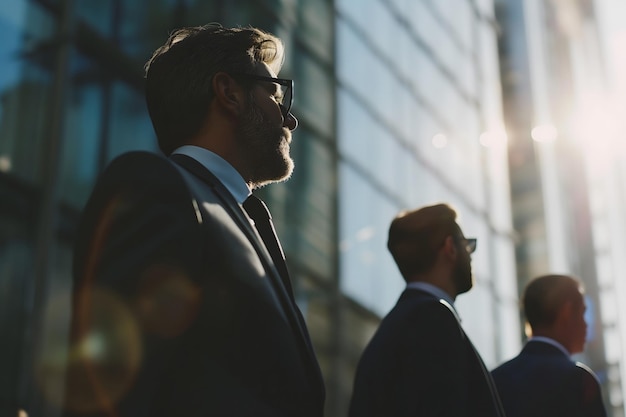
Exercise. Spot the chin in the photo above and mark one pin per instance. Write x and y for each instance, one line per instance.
(277, 175)
(464, 289)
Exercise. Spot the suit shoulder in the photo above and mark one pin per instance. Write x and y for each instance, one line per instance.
(589, 388)
(427, 313)
(140, 161)
(586, 373)
(136, 179)
(585, 369)
(503, 367)
(425, 307)
(140, 170)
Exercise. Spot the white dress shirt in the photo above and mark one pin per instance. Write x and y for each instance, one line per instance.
(437, 293)
(225, 172)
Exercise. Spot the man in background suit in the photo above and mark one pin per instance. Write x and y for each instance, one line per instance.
(420, 362)
(182, 300)
(542, 380)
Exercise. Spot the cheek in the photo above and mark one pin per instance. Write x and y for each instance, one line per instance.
(583, 326)
(270, 110)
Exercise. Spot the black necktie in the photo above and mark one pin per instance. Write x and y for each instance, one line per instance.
(257, 210)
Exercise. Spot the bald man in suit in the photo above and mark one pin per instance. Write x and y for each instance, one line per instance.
(542, 381)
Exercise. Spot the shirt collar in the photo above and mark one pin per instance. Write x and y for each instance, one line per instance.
(550, 342)
(225, 172)
(432, 290)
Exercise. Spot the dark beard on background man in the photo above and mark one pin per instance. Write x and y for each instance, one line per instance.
(265, 146)
(463, 278)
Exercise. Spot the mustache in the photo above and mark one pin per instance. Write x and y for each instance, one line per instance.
(287, 134)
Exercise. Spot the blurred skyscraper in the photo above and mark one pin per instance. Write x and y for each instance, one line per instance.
(400, 105)
(563, 83)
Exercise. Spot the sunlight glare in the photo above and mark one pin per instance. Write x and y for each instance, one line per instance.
(5, 163)
(365, 234)
(440, 141)
(544, 133)
(598, 132)
(493, 139)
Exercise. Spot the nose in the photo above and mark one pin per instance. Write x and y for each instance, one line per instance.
(290, 122)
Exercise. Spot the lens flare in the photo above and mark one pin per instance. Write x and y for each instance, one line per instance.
(544, 133)
(168, 300)
(104, 356)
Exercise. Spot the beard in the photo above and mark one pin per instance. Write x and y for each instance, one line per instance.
(266, 148)
(463, 279)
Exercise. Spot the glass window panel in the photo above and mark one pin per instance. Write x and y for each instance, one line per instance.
(418, 184)
(467, 80)
(425, 131)
(16, 270)
(144, 25)
(130, 125)
(498, 168)
(359, 134)
(387, 29)
(477, 311)
(308, 215)
(12, 18)
(25, 84)
(409, 115)
(99, 15)
(460, 18)
(103, 120)
(352, 55)
(83, 125)
(489, 65)
(316, 18)
(360, 12)
(362, 69)
(405, 56)
(313, 91)
(368, 273)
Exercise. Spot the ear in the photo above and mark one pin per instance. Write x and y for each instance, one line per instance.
(450, 247)
(228, 93)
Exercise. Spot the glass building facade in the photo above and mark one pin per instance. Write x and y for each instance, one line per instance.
(564, 110)
(419, 121)
(399, 105)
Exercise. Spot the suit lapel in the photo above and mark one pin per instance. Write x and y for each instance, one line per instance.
(237, 212)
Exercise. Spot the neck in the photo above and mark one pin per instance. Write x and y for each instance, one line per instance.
(436, 279)
(554, 335)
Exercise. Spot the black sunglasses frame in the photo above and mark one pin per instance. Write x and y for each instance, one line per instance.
(282, 81)
(470, 244)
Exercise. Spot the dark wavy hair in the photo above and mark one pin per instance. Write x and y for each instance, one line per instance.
(416, 236)
(179, 74)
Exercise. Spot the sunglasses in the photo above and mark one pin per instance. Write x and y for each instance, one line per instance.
(286, 86)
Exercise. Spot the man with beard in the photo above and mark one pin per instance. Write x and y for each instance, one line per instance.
(182, 301)
(420, 362)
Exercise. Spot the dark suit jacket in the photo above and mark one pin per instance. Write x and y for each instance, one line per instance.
(421, 363)
(543, 381)
(172, 277)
